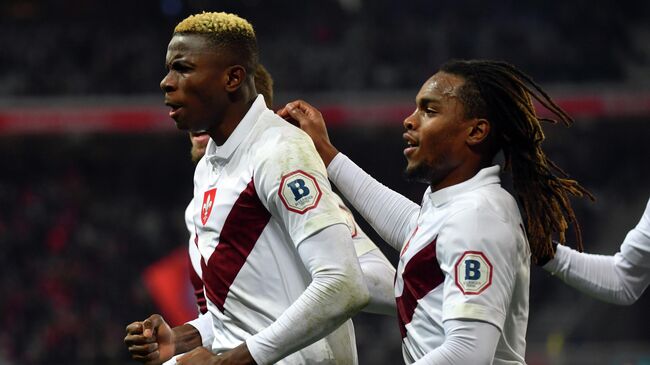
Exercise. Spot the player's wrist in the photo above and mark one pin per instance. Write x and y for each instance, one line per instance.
(327, 152)
(185, 338)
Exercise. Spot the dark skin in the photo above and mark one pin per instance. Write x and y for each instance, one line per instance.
(444, 147)
(153, 341)
(208, 91)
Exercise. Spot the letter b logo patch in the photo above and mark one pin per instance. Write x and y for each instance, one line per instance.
(299, 191)
(472, 269)
(298, 188)
(473, 272)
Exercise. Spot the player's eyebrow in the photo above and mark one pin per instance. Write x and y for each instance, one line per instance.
(428, 101)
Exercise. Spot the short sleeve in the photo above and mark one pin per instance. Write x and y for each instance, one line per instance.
(478, 252)
(291, 180)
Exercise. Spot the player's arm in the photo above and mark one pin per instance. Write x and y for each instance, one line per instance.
(480, 255)
(466, 342)
(392, 215)
(153, 341)
(379, 276)
(618, 279)
(337, 292)
(378, 272)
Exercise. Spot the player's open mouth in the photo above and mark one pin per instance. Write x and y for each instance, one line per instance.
(174, 108)
(411, 144)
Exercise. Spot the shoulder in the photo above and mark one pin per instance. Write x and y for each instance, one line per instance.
(271, 127)
(488, 203)
(484, 215)
(280, 142)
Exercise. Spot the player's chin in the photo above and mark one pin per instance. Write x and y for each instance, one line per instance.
(417, 173)
(180, 124)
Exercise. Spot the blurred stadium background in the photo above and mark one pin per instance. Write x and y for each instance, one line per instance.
(94, 178)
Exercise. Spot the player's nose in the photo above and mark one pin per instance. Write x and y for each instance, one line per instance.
(167, 84)
(410, 122)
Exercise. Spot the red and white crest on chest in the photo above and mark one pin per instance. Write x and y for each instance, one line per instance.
(208, 203)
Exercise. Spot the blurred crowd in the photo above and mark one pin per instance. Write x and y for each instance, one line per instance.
(78, 226)
(115, 47)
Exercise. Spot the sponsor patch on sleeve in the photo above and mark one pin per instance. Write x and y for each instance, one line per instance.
(473, 273)
(299, 191)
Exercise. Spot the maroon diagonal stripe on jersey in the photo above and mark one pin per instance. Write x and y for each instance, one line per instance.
(240, 232)
(197, 284)
(421, 275)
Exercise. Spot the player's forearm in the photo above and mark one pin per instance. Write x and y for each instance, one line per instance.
(203, 324)
(466, 342)
(336, 292)
(186, 338)
(392, 215)
(608, 278)
(379, 276)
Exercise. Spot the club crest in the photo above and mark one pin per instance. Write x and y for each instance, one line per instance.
(206, 207)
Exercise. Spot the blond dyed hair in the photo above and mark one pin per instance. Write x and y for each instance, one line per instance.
(225, 31)
(215, 22)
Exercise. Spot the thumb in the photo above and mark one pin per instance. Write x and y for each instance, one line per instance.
(151, 324)
(147, 328)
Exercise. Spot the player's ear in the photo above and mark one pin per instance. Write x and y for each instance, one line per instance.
(478, 131)
(235, 76)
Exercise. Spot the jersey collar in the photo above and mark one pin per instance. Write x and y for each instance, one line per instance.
(485, 176)
(223, 152)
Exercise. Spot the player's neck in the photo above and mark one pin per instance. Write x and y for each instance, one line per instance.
(232, 118)
(456, 176)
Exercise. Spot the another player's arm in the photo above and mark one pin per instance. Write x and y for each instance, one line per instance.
(619, 279)
(379, 276)
(378, 272)
(392, 215)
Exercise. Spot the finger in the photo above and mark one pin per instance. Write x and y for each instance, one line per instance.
(147, 358)
(283, 112)
(303, 106)
(134, 328)
(297, 113)
(138, 340)
(143, 350)
(296, 104)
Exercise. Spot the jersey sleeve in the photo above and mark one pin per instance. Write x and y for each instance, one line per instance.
(292, 183)
(636, 246)
(478, 252)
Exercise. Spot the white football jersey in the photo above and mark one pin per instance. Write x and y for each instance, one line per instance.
(256, 198)
(362, 245)
(195, 261)
(467, 258)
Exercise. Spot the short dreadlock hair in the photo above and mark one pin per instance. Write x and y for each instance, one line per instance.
(502, 94)
(227, 32)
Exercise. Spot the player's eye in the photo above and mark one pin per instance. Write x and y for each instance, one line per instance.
(180, 67)
(430, 112)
